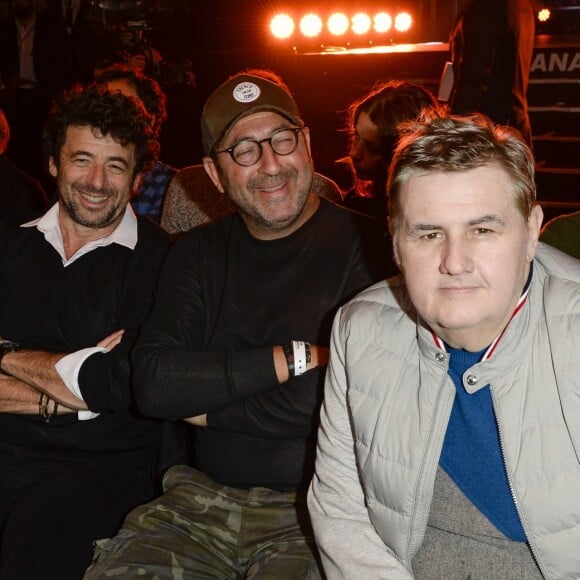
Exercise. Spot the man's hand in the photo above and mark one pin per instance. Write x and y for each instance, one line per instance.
(198, 421)
(111, 341)
(37, 370)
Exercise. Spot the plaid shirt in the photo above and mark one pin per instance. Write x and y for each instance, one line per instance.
(149, 198)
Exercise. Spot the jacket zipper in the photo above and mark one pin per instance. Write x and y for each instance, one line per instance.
(420, 514)
(533, 549)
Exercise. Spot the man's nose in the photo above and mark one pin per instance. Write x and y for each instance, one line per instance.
(456, 256)
(269, 161)
(96, 176)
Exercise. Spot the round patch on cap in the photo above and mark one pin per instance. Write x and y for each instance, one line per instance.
(246, 92)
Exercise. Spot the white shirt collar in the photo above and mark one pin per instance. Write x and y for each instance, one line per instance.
(125, 234)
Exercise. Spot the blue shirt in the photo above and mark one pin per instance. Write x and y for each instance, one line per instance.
(471, 453)
(149, 200)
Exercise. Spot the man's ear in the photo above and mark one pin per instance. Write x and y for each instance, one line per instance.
(397, 255)
(394, 237)
(534, 227)
(211, 169)
(306, 133)
(52, 168)
(136, 184)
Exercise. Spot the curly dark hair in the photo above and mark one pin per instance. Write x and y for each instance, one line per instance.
(123, 118)
(147, 89)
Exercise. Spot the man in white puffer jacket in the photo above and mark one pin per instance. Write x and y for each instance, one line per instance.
(449, 442)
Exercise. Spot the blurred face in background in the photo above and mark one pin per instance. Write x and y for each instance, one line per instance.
(367, 156)
(124, 87)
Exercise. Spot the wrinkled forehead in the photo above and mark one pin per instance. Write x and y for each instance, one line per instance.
(256, 124)
(86, 138)
(486, 185)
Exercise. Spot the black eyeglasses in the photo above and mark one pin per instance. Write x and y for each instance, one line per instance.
(249, 151)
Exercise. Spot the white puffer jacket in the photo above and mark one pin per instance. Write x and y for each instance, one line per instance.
(388, 398)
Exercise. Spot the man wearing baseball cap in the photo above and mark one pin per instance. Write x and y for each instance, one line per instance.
(237, 345)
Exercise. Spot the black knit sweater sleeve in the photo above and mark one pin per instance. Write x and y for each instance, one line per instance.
(353, 253)
(176, 374)
(104, 378)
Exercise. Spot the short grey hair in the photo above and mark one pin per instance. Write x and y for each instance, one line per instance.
(434, 144)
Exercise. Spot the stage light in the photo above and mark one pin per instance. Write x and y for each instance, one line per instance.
(382, 22)
(361, 23)
(282, 26)
(544, 15)
(340, 27)
(337, 24)
(311, 25)
(403, 22)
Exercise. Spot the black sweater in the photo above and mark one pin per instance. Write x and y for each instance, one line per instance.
(48, 307)
(224, 300)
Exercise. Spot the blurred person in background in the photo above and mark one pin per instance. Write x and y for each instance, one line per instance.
(563, 232)
(491, 50)
(373, 121)
(41, 54)
(21, 196)
(150, 195)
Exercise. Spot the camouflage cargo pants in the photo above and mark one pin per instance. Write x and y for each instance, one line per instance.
(199, 530)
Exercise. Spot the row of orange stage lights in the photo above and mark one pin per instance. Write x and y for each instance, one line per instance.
(338, 25)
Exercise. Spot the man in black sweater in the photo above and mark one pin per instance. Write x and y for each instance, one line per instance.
(76, 286)
(237, 345)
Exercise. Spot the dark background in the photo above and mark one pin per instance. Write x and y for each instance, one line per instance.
(221, 37)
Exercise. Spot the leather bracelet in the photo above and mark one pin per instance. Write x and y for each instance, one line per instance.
(289, 354)
(43, 408)
(43, 402)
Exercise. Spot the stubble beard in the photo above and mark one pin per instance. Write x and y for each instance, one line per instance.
(303, 189)
(76, 213)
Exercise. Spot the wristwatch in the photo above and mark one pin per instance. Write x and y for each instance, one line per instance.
(8, 346)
